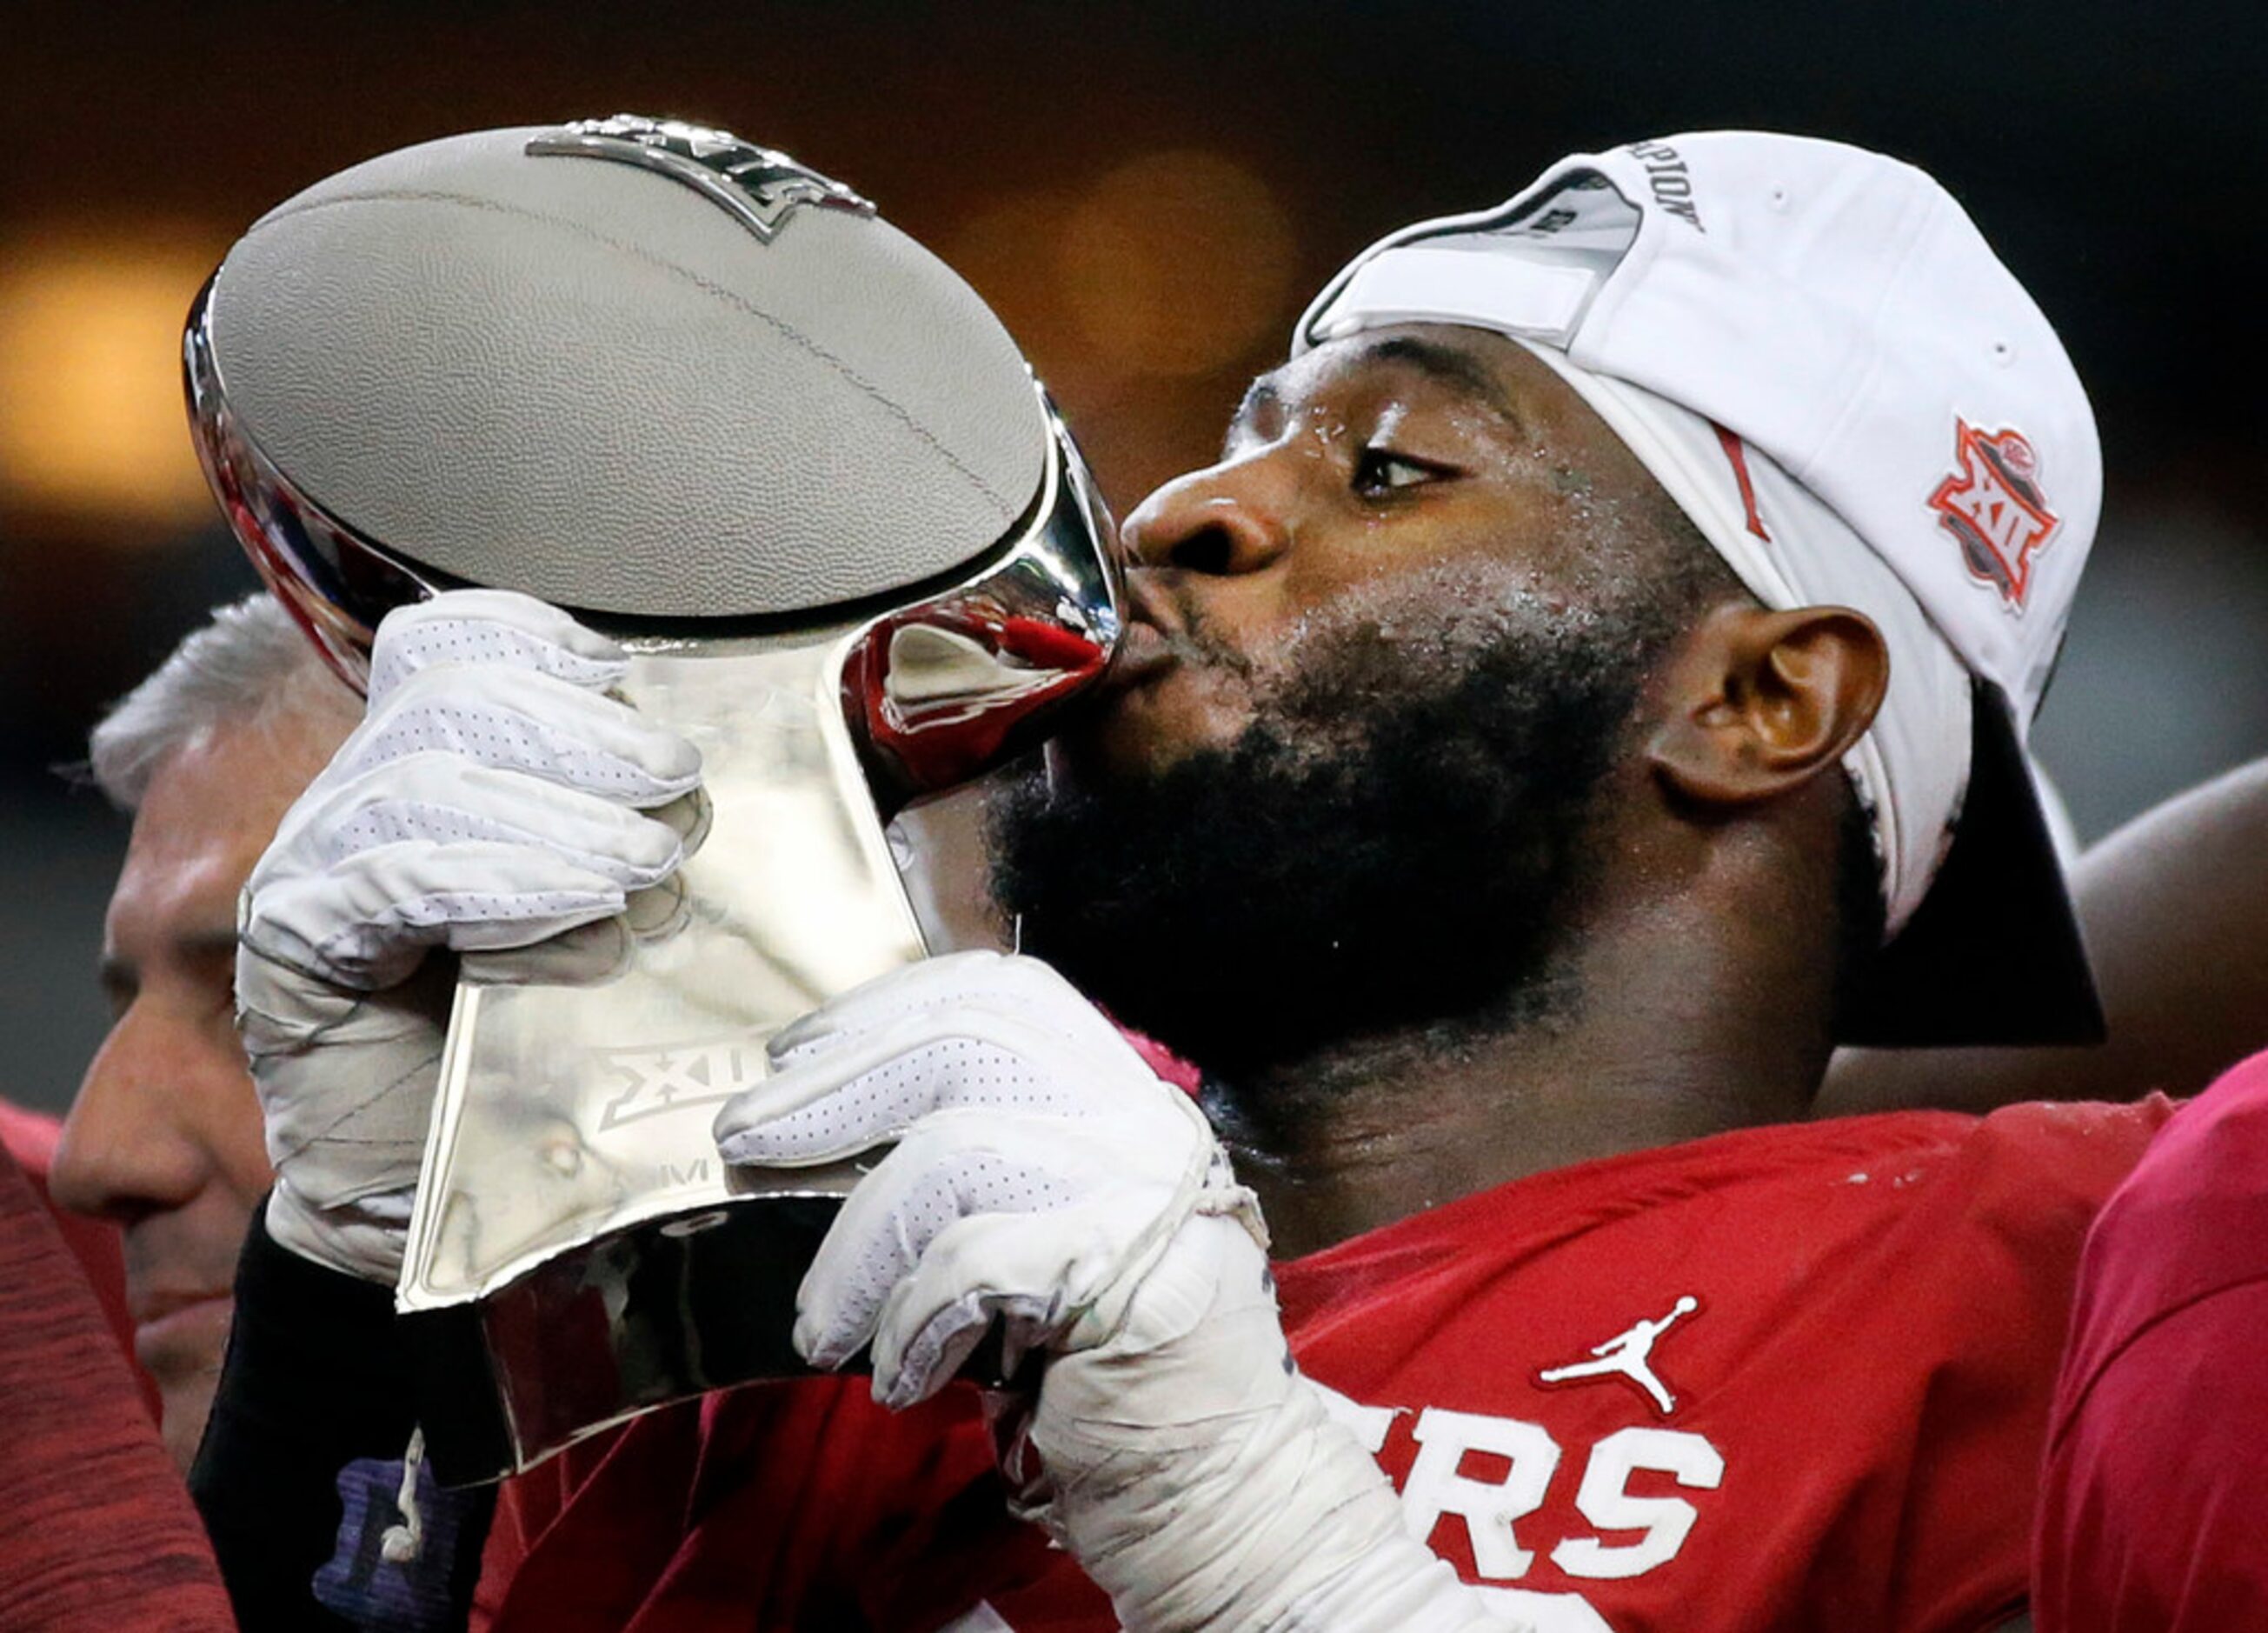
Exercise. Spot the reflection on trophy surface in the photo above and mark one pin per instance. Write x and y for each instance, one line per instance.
(716, 406)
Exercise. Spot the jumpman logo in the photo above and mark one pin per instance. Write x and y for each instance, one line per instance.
(1626, 1355)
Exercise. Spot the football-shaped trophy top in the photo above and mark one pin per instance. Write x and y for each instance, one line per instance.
(697, 393)
(632, 367)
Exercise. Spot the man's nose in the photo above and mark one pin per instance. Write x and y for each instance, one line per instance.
(1222, 520)
(129, 1147)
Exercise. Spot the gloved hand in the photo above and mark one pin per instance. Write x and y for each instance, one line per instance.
(489, 804)
(1044, 1178)
(1041, 1169)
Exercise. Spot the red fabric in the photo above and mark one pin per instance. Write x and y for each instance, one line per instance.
(798, 1504)
(1860, 1400)
(2156, 1493)
(96, 1533)
(30, 1137)
(1167, 1065)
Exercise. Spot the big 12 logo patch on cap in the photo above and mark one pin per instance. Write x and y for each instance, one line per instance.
(1994, 508)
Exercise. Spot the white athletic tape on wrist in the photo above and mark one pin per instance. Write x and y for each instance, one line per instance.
(1202, 1482)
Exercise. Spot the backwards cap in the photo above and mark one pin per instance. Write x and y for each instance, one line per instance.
(1818, 357)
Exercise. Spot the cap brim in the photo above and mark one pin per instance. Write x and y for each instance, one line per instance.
(1993, 954)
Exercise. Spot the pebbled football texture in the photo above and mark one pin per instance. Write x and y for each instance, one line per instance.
(586, 381)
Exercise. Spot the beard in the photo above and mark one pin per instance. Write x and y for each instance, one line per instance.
(1400, 838)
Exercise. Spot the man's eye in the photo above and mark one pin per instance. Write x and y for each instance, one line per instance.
(1378, 471)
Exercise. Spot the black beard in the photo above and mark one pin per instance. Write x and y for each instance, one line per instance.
(1372, 855)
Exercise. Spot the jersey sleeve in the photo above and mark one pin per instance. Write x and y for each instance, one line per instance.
(97, 1532)
(2153, 1486)
(1990, 1289)
(302, 1466)
(30, 1137)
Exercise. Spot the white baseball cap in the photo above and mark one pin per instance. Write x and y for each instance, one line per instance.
(1816, 354)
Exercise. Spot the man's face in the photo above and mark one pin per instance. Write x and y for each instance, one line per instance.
(1405, 496)
(1382, 659)
(165, 1137)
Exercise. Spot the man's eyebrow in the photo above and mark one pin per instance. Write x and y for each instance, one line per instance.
(1445, 363)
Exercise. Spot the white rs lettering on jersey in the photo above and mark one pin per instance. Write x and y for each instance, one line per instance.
(1490, 1510)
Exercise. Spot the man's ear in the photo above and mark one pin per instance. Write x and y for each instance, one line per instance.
(1759, 702)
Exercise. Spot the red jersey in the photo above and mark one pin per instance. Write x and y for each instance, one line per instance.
(1788, 1378)
(795, 1505)
(97, 1532)
(30, 1137)
(2155, 1488)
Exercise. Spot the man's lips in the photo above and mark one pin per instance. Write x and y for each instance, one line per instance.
(157, 1304)
(175, 1332)
(1143, 651)
(1153, 639)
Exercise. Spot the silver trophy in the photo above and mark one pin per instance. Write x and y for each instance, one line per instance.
(706, 399)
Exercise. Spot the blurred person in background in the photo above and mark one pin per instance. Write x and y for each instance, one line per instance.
(2169, 903)
(163, 1139)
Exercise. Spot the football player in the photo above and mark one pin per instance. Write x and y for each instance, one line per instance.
(1591, 683)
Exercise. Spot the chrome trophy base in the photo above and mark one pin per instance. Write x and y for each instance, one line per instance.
(635, 1320)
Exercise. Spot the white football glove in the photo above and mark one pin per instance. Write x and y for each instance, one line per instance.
(1009, 1096)
(1044, 1177)
(489, 801)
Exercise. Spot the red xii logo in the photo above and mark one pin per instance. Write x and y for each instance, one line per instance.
(1992, 506)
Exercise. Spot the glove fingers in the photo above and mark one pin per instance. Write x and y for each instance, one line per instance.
(490, 627)
(1025, 988)
(588, 954)
(927, 1332)
(366, 923)
(886, 997)
(344, 1239)
(437, 800)
(527, 721)
(920, 1192)
(814, 1113)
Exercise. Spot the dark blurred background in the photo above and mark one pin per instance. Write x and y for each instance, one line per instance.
(1147, 195)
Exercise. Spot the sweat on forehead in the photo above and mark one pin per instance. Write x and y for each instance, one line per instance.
(1456, 358)
(1483, 368)
(1476, 367)
(1452, 356)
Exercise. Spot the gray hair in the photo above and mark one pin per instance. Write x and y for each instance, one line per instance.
(250, 663)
